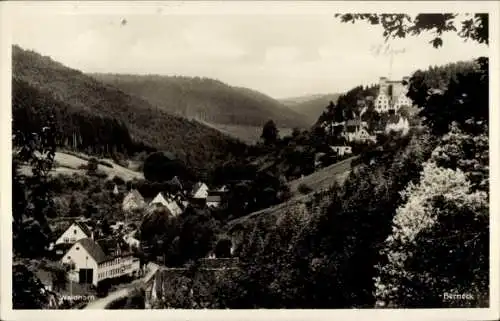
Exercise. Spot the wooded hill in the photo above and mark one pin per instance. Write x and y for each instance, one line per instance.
(206, 99)
(310, 106)
(98, 118)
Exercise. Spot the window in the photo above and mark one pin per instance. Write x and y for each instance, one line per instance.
(77, 248)
(74, 231)
(66, 240)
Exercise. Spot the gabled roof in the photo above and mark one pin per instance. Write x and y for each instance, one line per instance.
(110, 245)
(83, 227)
(171, 205)
(135, 194)
(93, 249)
(197, 186)
(173, 208)
(175, 181)
(159, 199)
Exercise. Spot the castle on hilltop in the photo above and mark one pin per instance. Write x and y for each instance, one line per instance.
(392, 95)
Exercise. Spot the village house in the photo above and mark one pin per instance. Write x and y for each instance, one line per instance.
(131, 240)
(392, 95)
(170, 205)
(317, 159)
(115, 190)
(341, 150)
(332, 127)
(90, 263)
(117, 226)
(75, 232)
(355, 130)
(176, 183)
(397, 124)
(213, 201)
(133, 201)
(199, 191)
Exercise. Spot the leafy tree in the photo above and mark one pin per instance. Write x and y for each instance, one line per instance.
(27, 290)
(30, 209)
(465, 97)
(196, 234)
(440, 236)
(223, 248)
(161, 167)
(443, 216)
(269, 133)
(92, 166)
(75, 209)
(105, 227)
(473, 27)
(60, 278)
(304, 189)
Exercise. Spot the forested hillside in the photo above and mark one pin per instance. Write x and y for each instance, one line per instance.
(410, 222)
(205, 99)
(310, 106)
(97, 118)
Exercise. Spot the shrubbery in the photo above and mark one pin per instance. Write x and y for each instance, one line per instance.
(304, 189)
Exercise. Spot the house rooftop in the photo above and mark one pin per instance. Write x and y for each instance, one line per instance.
(94, 249)
(84, 228)
(135, 193)
(197, 186)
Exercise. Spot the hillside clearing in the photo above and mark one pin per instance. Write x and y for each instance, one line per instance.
(69, 164)
(318, 181)
(323, 178)
(247, 134)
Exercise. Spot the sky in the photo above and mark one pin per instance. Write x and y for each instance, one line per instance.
(281, 55)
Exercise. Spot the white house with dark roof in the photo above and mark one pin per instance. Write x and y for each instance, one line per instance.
(200, 191)
(168, 203)
(341, 150)
(133, 200)
(75, 232)
(115, 190)
(90, 263)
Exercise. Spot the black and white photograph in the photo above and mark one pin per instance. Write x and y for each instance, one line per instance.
(250, 156)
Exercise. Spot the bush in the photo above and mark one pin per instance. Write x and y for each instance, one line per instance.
(92, 165)
(118, 180)
(104, 163)
(304, 189)
(98, 174)
(103, 288)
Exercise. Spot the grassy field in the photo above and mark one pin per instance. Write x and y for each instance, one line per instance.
(247, 134)
(318, 181)
(69, 164)
(323, 178)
